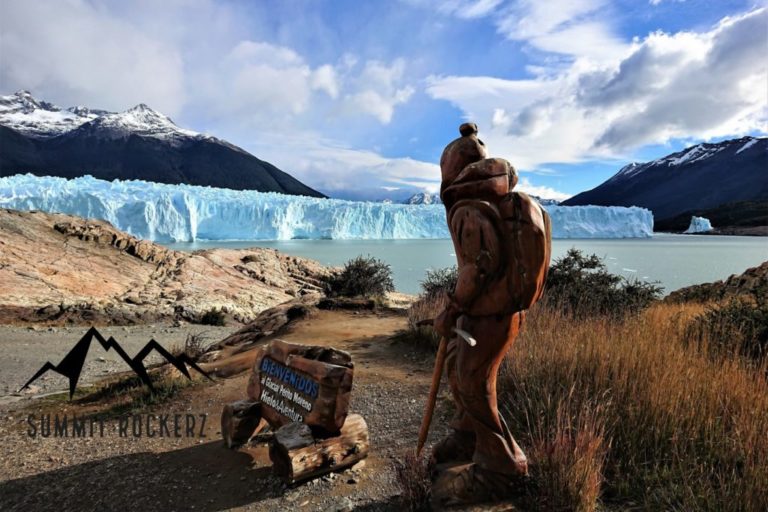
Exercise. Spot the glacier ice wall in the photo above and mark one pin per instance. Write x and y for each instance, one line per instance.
(698, 225)
(180, 213)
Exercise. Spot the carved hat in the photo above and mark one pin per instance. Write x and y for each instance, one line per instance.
(461, 152)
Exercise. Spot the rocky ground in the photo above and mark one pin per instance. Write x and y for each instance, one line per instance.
(193, 473)
(60, 270)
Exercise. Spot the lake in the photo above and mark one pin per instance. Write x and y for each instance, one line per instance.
(673, 260)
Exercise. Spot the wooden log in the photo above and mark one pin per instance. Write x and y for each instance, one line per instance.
(239, 420)
(297, 455)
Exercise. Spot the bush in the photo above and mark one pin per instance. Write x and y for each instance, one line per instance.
(441, 280)
(361, 277)
(195, 345)
(214, 317)
(737, 327)
(582, 286)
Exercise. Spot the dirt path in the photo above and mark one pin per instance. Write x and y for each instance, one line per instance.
(193, 473)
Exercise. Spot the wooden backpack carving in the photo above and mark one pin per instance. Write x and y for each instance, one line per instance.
(511, 229)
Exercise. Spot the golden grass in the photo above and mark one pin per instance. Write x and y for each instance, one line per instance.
(628, 413)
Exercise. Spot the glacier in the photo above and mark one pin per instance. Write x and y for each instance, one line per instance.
(184, 213)
(698, 225)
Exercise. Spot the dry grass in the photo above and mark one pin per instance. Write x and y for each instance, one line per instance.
(427, 307)
(194, 346)
(628, 413)
(634, 412)
(413, 479)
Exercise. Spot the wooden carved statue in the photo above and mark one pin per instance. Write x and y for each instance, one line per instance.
(502, 241)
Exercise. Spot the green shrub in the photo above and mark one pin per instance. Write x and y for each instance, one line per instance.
(582, 286)
(214, 317)
(440, 280)
(738, 326)
(361, 277)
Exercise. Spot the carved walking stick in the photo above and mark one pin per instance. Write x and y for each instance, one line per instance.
(436, 376)
(430, 409)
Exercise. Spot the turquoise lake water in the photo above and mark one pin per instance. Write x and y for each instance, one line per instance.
(674, 260)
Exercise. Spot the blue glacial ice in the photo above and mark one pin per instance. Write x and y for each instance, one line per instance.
(183, 213)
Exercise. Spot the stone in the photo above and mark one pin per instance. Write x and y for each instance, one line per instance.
(60, 268)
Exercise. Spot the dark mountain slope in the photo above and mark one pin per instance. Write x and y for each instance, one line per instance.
(701, 177)
(138, 144)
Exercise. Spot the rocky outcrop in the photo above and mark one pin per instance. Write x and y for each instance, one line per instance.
(751, 285)
(61, 269)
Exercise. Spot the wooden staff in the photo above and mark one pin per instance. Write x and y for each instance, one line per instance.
(430, 409)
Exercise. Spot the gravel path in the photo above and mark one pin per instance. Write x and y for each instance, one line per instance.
(105, 473)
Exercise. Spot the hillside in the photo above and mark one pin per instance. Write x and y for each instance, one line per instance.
(40, 138)
(701, 177)
(740, 218)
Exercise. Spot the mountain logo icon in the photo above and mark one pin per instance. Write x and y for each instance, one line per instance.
(72, 364)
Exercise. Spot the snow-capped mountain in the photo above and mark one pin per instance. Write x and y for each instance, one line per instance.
(139, 120)
(424, 198)
(699, 177)
(139, 143)
(40, 119)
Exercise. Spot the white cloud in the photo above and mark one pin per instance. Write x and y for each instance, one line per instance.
(469, 9)
(379, 89)
(337, 169)
(325, 79)
(525, 185)
(576, 28)
(74, 51)
(260, 80)
(665, 86)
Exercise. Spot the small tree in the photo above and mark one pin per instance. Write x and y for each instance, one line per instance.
(362, 277)
(440, 280)
(583, 286)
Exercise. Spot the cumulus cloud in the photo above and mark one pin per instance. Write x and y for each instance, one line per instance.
(711, 84)
(695, 85)
(380, 88)
(342, 171)
(525, 185)
(72, 50)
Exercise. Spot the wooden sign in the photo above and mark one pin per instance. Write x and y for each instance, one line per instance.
(300, 383)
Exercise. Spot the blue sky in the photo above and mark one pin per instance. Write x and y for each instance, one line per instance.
(359, 98)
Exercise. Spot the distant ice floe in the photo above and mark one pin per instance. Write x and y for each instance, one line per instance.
(183, 213)
(698, 225)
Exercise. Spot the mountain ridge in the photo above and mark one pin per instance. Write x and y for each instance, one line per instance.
(699, 177)
(40, 138)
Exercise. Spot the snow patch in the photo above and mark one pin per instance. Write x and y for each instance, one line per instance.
(694, 154)
(746, 146)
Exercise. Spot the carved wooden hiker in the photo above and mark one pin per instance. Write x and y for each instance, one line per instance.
(502, 241)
